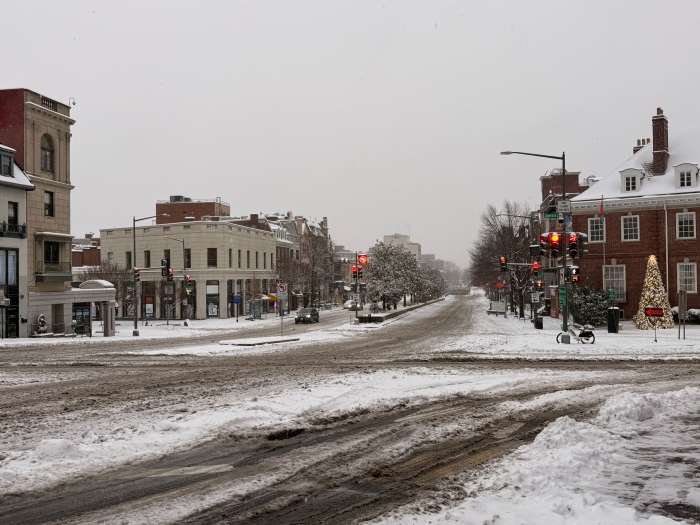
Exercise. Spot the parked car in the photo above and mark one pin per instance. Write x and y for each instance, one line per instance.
(307, 315)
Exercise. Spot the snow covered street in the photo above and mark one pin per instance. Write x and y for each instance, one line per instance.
(441, 415)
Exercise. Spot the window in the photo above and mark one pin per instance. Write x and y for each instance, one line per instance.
(48, 204)
(688, 277)
(685, 225)
(128, 259)
(272, 261)
(264, 260)
(614, 282)
(6, 165)
(166, 256)
(596, 229)
(8, 267)
(12, 214)
(239, 258)
(630, 183)
(230, 258)
(110, 257)
(47, 153)
(211, 257)
(630, 228)
(686, 179)
(257, 260)
(147, 259)
(247, 258)
(188, 258)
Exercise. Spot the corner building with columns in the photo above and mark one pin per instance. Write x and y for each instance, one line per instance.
(220, 257)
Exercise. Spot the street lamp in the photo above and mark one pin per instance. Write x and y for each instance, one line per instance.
(135, 332)
(565, 321)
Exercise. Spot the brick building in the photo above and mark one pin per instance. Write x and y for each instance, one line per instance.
(179, 208)
(648, 205)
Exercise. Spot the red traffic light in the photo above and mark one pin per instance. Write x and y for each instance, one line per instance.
(536, 267)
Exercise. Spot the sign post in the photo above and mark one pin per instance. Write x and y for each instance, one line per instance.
(682, 311)
(237, 303)
(654, 312)
(281, 292)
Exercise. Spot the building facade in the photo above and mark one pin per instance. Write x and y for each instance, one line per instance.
(39, 130)
(398, 239)
(222, 259)
(648, 206)
(179, 208)
(14, 186)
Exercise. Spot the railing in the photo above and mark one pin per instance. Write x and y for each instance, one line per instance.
(13, 230)
(43, 267)
(49, 104)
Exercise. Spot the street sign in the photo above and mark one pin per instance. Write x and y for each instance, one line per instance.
(236, 299)
(534, 297)
(682, 305)
(652, 311)
(562, 296)
(551, 215)
(362, 259)
(564, 206)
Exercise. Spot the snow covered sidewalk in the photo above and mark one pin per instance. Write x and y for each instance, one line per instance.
(496, 337)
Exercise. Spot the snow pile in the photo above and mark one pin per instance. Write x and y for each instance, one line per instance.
(629, 464)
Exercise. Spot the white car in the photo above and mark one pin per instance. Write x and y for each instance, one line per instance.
(351, 304)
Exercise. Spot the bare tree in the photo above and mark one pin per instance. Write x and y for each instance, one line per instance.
(120, 277)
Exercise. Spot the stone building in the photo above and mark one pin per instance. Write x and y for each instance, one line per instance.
(39, 130)
(220, 258)
(14, 186)
(646, 206)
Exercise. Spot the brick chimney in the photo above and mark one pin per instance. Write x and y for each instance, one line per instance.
(659, 125)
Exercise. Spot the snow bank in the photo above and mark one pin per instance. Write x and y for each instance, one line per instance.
(638, 454)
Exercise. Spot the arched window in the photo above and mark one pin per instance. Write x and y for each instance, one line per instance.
(47, 153)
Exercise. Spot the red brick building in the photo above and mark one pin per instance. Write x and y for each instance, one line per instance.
(647, 206)
(179, 208)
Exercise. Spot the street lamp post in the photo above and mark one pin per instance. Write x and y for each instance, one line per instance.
(135, 332)
(565, 314)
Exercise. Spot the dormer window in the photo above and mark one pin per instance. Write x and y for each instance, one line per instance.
(6, 165)
(686, 175)
(631, 179)
(686, 179)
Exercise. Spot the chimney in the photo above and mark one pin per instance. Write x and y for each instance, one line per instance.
(659, 126)
(254, 219)
(639, 146)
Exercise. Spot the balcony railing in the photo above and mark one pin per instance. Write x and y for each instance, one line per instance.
(8, 229)
(46, 268)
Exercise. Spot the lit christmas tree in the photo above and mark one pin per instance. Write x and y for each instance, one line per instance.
(653, 295)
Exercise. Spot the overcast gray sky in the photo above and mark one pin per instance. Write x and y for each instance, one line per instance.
(384, 116)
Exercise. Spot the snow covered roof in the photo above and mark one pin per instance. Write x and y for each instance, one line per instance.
(684, 148)
(18, 178)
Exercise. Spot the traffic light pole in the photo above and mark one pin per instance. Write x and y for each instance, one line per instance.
(565, 338)
(357, 282)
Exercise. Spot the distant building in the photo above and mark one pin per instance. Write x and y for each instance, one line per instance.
(399, 239)
(85, 252)
(179, 208)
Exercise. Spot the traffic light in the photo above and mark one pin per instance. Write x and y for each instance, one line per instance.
(536, 267)
(539, 284)
(164, 266)
(572, 244)
(171, 274)
(553, 241)
(544, 243)
(359, 272)
(582, 244)
(503, 263)
(354, 271)
(188, 284)
(137, 275)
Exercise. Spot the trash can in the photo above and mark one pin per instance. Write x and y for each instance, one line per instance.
(538, 323)
(613, 320)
